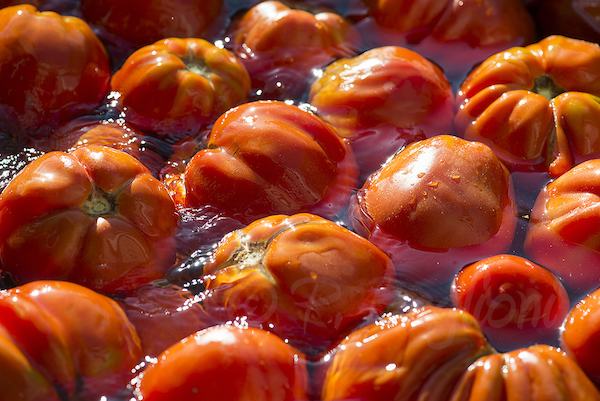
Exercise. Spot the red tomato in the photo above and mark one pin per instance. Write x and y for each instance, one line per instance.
(141, 22)
(383, 100)
(227, 363)
(265, 158)
(516, 301)
(68, 333)
(178, 86)
(95, 216)
(564, 229)
(437, 205)
(52, 68)
(281, 46)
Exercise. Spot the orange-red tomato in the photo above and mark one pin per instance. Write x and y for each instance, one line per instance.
(516, 301)
(581, 335)
(382, 100)
(281, 46)
(63, 334)
(575, 18)
(456, 34)
(178, 86)
(564, 229)
(266, 158)
(227, 363)
(303, 277)
(95, 216)
(437, 205)
(141, 22)
(52, 68)
(537, 106)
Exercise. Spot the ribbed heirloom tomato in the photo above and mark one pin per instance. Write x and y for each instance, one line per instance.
(178, 86)
(383, 100)
(266, 158)
(52, 68)
(536, 107)
(95, 216)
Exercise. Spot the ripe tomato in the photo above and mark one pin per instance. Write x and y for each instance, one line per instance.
(266, 158)
(437, 205)
(281, 46)
(178, 86)
(537, 106)
(564, 229)
(227, 363)
(516, 301)
(52, 68)
(383, 100)
(94, 216)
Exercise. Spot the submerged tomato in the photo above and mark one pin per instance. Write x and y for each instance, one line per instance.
(536, 106)
(52, 68)
(64, 334)
(227, 363)
(266, 158)
(178, 86)
(303, 277)
(437, 205)
(95, 216)
(516, 301)
(281, 46)
(564, 229)
(383, 100)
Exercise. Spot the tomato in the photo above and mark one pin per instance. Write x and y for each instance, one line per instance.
(581, 334)
(514, 300)
(457, 35)
(266, 158)
(575, 18)
(437, 205)
(70, 335)
(303, 277)
(420, 355)
(383, 100)
(227, 363)
(52, 68)
(537, 106)
(178, 86)
(281, 46)
(564, 230)
(141, 22)
(94, 216)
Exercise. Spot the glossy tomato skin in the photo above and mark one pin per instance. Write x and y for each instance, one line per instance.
(227, 363)
(383, 100)
(141, 22)
(427, 210)
(563, 230)
(303, 277)
(574, 18)
(178, 86)
(266, 158)
(95, 216)
(70, 334)
(517, 302)
(281, 46)
(52, 68)
(537, 106)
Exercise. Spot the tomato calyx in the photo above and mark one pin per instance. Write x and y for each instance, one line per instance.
(197, 66)
(99, 203)
(544, 85)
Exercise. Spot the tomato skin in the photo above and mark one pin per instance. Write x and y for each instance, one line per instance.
(52, 68)
(266, 158)
(94, 216)
(432, 217)
(563, 229)
(227, 363)
(514, 300)
(383, 100)
(536, 106)
(302, 277)
(141, 22)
